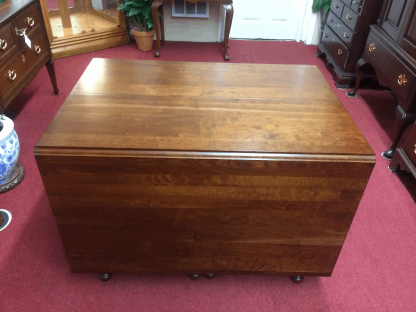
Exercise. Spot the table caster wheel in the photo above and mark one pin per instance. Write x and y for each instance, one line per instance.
(296, 279)
(105, 277)
(209, 276)
(193, 276)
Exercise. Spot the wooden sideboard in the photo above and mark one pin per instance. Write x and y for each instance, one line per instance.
(19, 64)
(391, 51)
(157, 6)
(344, 36)
(405, 157)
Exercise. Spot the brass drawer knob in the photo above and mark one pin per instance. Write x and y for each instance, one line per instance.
(340, 52)
(3, 44)
(37, 49)
(30, 21)
(402, 80)
(346, 35)
(12, 75)
(354, 3)
(331, 19)
(349, 17)
(336, 5)
(325, 35)
(372, 47)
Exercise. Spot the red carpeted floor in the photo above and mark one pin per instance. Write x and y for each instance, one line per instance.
(376, 270)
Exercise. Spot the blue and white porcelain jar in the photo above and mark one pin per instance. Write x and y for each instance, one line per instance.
(9, 149)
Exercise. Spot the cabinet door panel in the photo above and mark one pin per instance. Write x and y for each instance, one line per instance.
(408, 38)
(393, 18)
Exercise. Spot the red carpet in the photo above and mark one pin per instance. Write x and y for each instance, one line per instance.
(376, 270)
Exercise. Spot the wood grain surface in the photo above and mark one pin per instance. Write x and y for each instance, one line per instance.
(122, 104)
(162, 167)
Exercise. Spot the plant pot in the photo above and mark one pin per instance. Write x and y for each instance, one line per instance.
(11, 172)
(5, 6)
(144, 39)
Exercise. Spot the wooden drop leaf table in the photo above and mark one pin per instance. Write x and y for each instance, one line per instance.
(203, 168)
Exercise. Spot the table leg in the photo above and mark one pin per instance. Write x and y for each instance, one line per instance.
(51, 72)
(228, 21)
(155, 7)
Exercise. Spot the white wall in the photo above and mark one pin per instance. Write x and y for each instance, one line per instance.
(192, 29)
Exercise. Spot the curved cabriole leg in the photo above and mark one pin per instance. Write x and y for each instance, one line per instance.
(359, 74)
(209, 276)
(155, 6)
(396, 164)
(403, 120)
(105, 277)
(228, 21)
(162, 24)
(296, 279)
(193, 276)
(51, 72)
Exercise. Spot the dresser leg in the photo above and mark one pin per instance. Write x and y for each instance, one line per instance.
(105, 277)
(228, 21)
(396, 164)
(359, 75)
(51, 71)
(403, 120)
(296, 279)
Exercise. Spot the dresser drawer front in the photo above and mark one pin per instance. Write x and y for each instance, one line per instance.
(400, 78)
(37, 51)
(350, 18)
(29, 19)
(337, 6)
(6, 40)
(335, 47)
(347, 2)
(357, 5)
(410, 145)
(343, 32)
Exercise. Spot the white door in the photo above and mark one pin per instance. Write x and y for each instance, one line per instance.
(267, 19)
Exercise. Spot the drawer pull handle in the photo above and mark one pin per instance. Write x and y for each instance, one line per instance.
(349, 17)
(402, 80)
(340, 52)
(325, 35)
(30, 21)
(336, 5)
(372, 47)
(20, 32)
(331, 19)
(354, 3)
(37, 49)
(3, 44)
(12, 75)
(346, 35)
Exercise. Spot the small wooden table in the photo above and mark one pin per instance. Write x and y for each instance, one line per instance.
(157, 5)
(203, 168)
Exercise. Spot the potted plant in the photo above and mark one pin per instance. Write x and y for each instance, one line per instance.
(139, 13)
(11, 172)
(323, 5)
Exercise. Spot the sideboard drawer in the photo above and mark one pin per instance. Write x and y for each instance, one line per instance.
(410, 145)
(37, 51)
(29, 19)
(6, 40)
(382, 59)
(335, 46)
(11, 74)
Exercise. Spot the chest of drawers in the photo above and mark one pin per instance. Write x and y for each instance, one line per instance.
(344, 36)
(19, 62)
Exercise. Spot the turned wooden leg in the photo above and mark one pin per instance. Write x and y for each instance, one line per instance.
(105, 277)
(162, 24)
(296, 279)
(155, 6)
(359, 74)
(403, 120)
(193, 276)
(228, 21)
(51, 72)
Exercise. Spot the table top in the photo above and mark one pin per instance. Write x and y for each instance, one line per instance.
(16, 6)
(204, 107)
